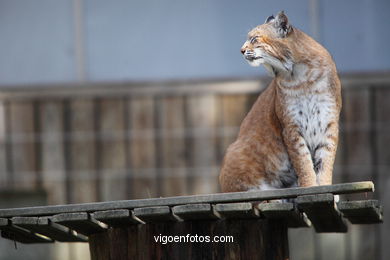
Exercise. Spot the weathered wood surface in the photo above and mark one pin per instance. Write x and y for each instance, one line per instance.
(238, 210)
(196, 212)
(286, 211)
(319, 209)
(344, 188)
(252, 239)
(82, 145)
(381, 139)
(119, 217)
(12, 232)
(81, 222)
(142, 147)
(44, 226)
(155, 214)
(362, 212)
(112, 149)
(322, 212)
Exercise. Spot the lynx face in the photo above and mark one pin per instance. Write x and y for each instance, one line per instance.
(267, 44)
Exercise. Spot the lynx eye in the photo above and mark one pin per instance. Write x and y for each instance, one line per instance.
(269, 18)
(253, 40)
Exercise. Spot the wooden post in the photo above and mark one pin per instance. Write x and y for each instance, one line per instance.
(252, 239)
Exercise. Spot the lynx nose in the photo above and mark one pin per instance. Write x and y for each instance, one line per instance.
(243, 51)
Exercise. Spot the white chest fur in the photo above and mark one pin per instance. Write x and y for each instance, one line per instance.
(312, 111)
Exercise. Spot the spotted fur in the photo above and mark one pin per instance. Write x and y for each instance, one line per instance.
(289, 138)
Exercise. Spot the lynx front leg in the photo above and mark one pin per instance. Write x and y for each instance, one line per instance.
(300, 157)
(324, 155)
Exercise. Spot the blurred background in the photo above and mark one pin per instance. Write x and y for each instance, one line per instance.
(109, 100)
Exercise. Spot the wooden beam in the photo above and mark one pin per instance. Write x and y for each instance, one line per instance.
(284, 211)
(322, 212)
(44, 226)
(196, 212)
(362, 212)
(15, 233)
(343, 188)
(238, 210)
(117, 217)
(81, 222)
(155, 214)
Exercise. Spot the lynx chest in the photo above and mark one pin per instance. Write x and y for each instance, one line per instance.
(312, 113)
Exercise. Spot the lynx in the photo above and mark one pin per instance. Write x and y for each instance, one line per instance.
(289, 137)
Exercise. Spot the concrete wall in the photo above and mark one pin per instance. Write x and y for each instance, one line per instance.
(46, 41)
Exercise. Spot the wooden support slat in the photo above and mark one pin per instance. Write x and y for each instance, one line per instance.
(196, 212)
(239, 210)
(82, 151)
(322, 212)
(81, 222)
(382, 165)
(44, 226)
(12, 232)
(112, 149)
(172, 156)
(201, 118)
(343, 188)
(142, 147)
(286, 211)
(23, 159)
(52, 151)
(362, 212)
(155, 214)
(117, 217)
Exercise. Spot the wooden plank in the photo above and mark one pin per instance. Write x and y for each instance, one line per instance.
(112, 148)
(99, 246)
(210, 198)
(284, 211)
(196, 212)
(172, 153)
(82, 151)
(201, 118)
(119, 217)
(250, 239)
(359, 164)
(357, 135)
(362, 212)
(382, 126)
(52, 148)
(81, 222)
(49, 229)
(233, 109)
(239, 210)
(12, 232)
(142, 146)
(23, 138)
(118, 241)
(4, 171)
(115, 89)
(322, 212)
(155, 214)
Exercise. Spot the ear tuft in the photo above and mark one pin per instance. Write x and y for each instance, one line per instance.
(270, 18)
(282, 25)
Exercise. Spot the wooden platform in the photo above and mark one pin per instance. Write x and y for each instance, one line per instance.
(313, 206)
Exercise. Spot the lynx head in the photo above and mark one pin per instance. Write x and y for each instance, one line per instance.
(268, 44)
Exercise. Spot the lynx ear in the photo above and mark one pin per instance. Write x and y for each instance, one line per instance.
(270, 18)
(282, 25)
